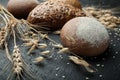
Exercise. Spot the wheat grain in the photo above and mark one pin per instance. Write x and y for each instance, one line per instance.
(33, 43)
(57, 46)
(38, 59)
(31, 49)
(45, 52)
(42, 45)
(63, 50)
(57, 32)
(82, 62)
(28, 44)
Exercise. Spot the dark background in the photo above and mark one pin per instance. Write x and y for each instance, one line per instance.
(60, 68)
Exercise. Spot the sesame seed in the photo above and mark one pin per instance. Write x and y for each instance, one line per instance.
(103, 59)
(114, 45)
(68, 63)
(56, 74)
(113, 57)
(118, 38)
(63, 76)
(55, 58)
(111, 43)
(110, 33)
(111, 40)
(100, 75)
(102, 65)
(116, 52)
(86, 78)
(97, 65)
(61, 56)
(116, 33)
(57, 68)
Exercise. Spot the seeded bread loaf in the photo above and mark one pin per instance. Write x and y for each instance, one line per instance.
(75, 3)
(53, 15)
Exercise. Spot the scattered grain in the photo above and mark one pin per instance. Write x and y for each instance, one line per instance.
(104, 16)
(63, 76)
(98, 65)
(100, 75)
(86, 78)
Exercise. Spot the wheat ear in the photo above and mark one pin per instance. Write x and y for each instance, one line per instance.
(20, 68)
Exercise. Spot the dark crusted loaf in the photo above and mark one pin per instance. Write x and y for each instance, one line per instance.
(53, 14)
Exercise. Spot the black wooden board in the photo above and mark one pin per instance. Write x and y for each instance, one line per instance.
(59, 67)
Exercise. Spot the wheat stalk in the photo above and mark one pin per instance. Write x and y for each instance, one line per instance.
(19, 66)
(17, 62)
(12, 27)
(20, 70)
(2, 39)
